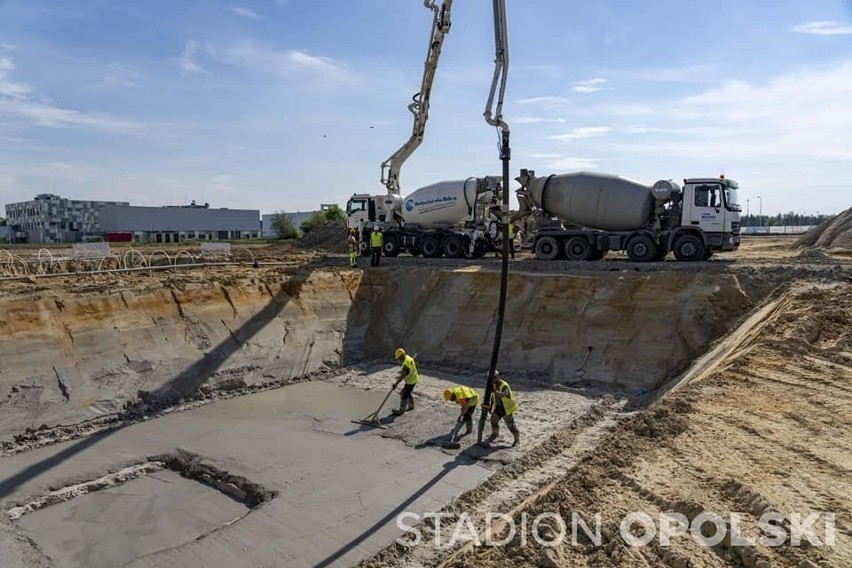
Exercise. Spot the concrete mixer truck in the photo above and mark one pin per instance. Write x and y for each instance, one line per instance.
(582, 216)
(449, 218)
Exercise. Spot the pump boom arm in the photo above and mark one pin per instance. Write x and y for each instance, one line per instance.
(419, 106)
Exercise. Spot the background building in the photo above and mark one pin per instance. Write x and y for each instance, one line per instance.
(53, 219)
(174, 224)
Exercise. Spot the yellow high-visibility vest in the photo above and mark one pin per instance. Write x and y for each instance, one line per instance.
(375, 239)
(408, 363)
(466, 394)
(510, 405)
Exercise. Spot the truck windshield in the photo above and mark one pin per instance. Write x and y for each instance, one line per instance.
(356, 205)
(732, 199)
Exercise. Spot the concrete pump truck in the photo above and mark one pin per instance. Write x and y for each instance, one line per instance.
(450, 218)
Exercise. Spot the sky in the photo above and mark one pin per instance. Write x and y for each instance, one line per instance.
(281, 105)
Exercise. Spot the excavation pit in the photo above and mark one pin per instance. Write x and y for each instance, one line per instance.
(264, 371)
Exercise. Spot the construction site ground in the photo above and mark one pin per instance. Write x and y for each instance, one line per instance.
(203, 416)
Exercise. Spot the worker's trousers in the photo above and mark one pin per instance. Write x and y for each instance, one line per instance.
(376, 256)
(406, 398)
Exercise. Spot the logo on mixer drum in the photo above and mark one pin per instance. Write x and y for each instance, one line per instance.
(409, 205)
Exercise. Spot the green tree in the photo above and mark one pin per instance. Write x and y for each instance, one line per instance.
(334, 213)
(2, 222)
(283, 226)
(319, 218)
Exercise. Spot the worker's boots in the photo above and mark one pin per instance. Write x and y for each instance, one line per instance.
(495, 433)
(410, 405)
(517, 436)
(468, 427)
(401, 410)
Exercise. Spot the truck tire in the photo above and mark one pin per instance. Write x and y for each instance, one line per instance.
(688, 248)
(578, 248)
(430, 247)
(390, 247)
(453, 247)
(364, 248)
(547, 248)
(641, 248)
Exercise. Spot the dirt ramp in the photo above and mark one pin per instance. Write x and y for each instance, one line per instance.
(835, 233)
(630, 331)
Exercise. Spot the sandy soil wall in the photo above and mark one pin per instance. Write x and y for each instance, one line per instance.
(627, 330)
(68, 355)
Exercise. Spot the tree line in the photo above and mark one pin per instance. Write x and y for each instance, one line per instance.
(284, 227)
(782, 220)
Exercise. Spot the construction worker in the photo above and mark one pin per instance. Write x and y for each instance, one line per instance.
(504, 407)
(467, 399)
(376, 242)
(353, 248)
(407, 373)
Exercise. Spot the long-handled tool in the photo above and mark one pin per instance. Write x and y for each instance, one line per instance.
(453, 443)
(373, 419)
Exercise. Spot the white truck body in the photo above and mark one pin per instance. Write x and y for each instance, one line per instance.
(598, 212)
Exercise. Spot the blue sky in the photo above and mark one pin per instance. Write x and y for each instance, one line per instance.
(285, 104)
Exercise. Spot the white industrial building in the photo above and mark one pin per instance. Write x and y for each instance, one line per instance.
(53, 219)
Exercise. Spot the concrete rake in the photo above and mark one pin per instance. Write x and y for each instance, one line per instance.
(373, 419)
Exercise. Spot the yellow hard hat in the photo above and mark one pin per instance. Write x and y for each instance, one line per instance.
(448, 394)
(399, 353)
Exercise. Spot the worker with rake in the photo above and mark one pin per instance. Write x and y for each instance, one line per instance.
(467, 399)
(407, 373)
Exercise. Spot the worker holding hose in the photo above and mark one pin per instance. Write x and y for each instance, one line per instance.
(504, 408)
(467, 399)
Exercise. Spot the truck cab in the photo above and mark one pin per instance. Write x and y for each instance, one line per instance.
(711, 205)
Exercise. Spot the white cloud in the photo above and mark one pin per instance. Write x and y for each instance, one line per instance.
(801, 114)
(537, 120)
(18, 103)
(117, 76)
(246, 13)
(187, 59)
(823, 28)
(582, 132)
(252, 55)
(573, 163)
(547, 100)
(8, 88)
(589, 86)
(42, 114)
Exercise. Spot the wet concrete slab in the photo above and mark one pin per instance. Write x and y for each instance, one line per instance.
(118, 525)
(340, 487)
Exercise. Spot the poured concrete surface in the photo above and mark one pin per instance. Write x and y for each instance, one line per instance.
(117, 525)
(341, 487)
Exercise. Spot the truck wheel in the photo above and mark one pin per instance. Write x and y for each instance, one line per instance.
(453, 247)
(430, 247)
(641, 248)
(547, 248)
(689, 248)
(390, 247)
(578, 248)
(364, 248)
